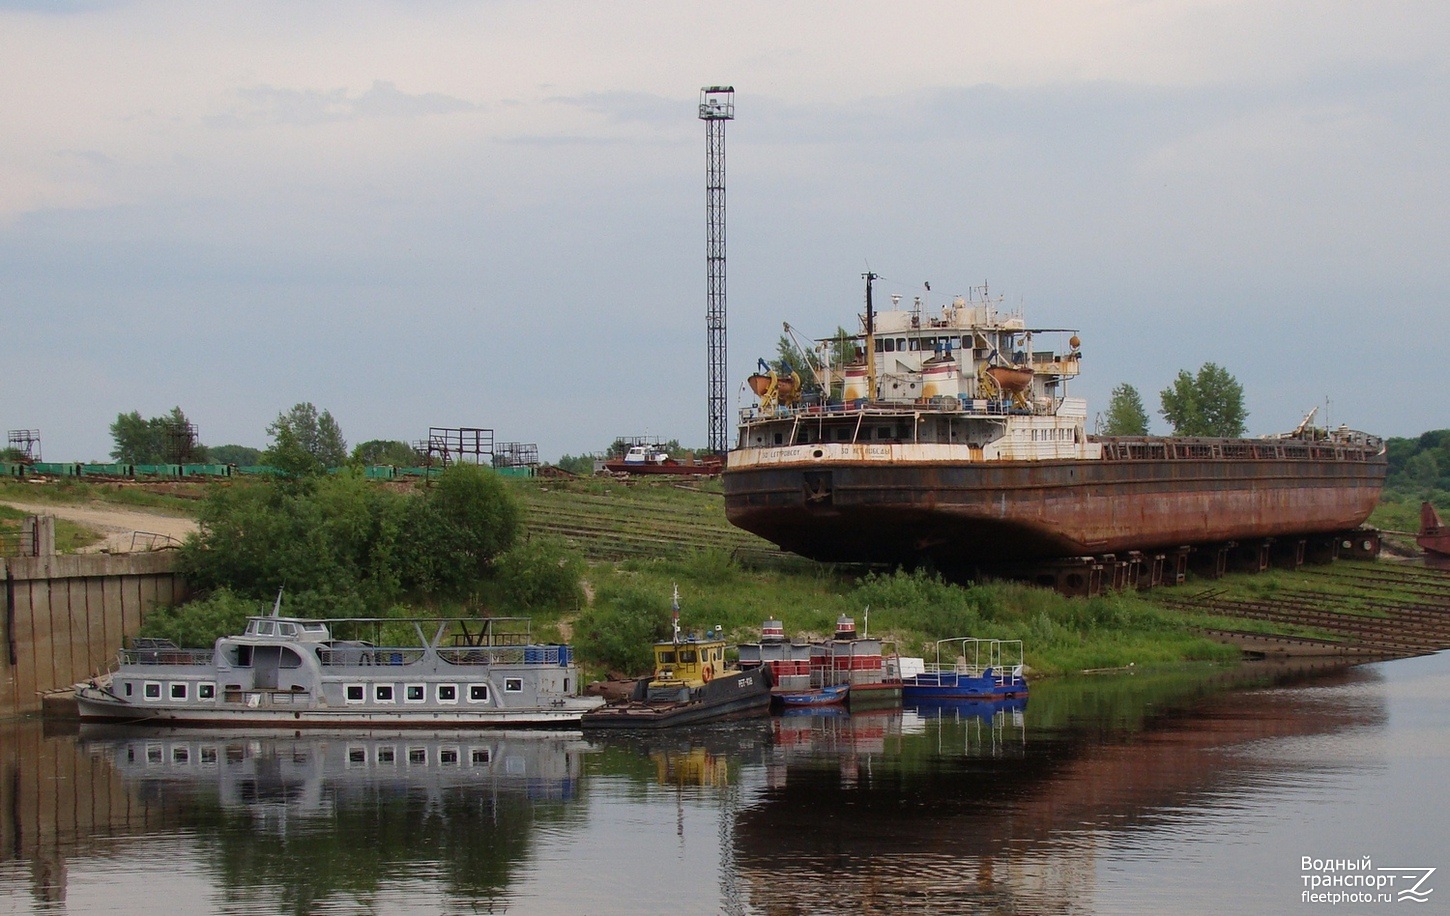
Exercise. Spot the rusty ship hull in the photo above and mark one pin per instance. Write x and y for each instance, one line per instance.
(947, 435)
(971, 513)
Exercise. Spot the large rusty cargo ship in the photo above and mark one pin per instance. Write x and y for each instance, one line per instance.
(946, 435)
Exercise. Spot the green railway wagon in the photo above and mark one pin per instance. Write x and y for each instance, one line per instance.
(114, 469)
(206, 470)
(259, 470)
(158, 470)
(55, 469)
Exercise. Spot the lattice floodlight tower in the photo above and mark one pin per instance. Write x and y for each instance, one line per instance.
(717, 105)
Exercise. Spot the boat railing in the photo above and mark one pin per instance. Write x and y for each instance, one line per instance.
(975, 657)
(364, 656)
(169, 655)
(507, 655)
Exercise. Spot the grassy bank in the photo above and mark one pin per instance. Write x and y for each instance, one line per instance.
(639, 539)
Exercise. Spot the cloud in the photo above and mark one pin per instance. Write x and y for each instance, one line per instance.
(268, 105)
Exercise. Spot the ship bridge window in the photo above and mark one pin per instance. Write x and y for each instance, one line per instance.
(687, 656)
(667, 658)
(266, 628)
(286, 629)
(914, 345)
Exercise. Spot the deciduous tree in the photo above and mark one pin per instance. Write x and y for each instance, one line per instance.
(305, 441)
(1208, 404)
(1126, 415)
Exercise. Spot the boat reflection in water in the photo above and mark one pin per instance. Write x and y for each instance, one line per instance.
(312, 774)
(1005, 806)
(344, 818)
(955, 808)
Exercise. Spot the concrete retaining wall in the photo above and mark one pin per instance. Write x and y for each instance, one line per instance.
(65, 617)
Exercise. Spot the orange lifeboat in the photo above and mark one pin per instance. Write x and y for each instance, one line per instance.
(1011, 379)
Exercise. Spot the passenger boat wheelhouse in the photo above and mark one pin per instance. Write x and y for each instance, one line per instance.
(946, 434)
(288, 671)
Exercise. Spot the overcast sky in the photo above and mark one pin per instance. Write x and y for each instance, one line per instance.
(493, 213)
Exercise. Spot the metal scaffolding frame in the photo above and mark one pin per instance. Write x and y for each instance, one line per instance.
(457, 445)
(26, 442)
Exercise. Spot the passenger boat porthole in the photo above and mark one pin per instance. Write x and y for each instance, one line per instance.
(818, 453)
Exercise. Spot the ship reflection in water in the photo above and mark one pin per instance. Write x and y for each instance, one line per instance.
(1081, 799)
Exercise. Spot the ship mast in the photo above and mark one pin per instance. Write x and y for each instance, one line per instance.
(870, 341)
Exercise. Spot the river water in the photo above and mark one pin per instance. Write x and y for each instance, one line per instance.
(1187, 792)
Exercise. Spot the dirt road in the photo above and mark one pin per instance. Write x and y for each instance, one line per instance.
(125, 529)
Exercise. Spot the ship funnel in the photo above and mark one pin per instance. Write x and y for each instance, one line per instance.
(845, 627)
(772, 631)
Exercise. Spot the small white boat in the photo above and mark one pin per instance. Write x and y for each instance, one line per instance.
(292, 672)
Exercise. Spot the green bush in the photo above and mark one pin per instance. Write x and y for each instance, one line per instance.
(198, 624)
(542, 573)
(344, 546)
(618, 633)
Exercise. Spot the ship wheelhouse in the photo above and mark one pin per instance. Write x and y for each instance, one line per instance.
(968, 377)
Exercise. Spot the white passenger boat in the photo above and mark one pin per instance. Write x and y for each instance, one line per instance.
(292, 672)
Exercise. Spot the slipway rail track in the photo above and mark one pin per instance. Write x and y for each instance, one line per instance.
(1395, 610)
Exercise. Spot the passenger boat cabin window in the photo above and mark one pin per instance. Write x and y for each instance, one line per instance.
(478, 693)
(180, 755)
(290, 659)
(513, 685)
(414, 693)
(383, 693)
(354, 693)
(448, 756)
(129, 685)
(206, 691)
(479, 756)
(448, 693)
(152, 690)
(178, 691)
(417, 756)
(356, 756)
(387, 755)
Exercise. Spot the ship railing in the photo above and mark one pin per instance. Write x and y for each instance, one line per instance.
(507, 655)
(984, 407)
(1188, 449)
(166, 656)
(367, 656)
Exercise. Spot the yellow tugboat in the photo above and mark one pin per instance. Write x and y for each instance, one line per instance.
(692, 683)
